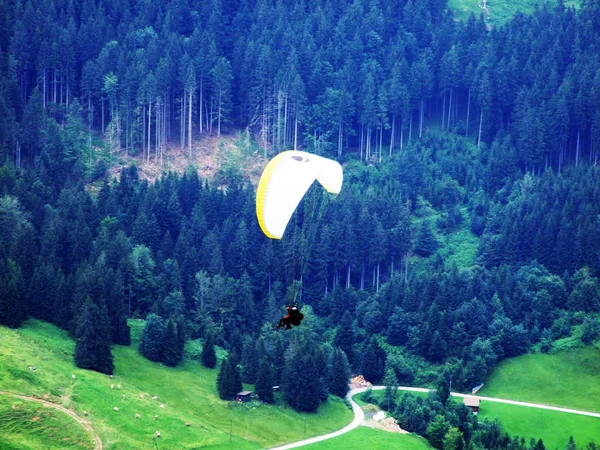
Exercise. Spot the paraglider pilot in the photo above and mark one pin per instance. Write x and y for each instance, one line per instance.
(294, 317)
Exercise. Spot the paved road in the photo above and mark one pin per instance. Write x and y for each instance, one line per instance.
(359, 415)
(84, 423)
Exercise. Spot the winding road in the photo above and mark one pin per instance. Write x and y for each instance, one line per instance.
(359, 414)
(84, 423)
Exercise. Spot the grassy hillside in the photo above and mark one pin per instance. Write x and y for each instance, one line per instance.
(498, 12)
(28, 425)
(553, 427)
(569, 379)
(188, 393)
(365, 438)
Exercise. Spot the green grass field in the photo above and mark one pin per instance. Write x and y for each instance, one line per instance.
(500, 11)
(28, 425)
(464, 8)
(365, 438)
(569, 379)
(188, 393)
(553, 427)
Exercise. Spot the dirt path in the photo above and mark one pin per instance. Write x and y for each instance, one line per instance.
(359, 415)
(84, 423)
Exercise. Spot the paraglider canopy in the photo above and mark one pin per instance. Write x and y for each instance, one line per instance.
(284, 182)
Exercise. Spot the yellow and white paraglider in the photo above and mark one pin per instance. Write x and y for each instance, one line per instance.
(284, 182)
(282, 185)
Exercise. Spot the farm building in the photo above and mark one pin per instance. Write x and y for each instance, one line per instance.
(472, 402)
(243, 396)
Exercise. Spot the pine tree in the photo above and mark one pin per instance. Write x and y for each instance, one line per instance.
(170, 350)
(436, 430)
(249, 362)
(209, 357)
(427, 243)
(453, 440)
(264, 382)
(391, 390)
(373, 361)
(152, 339)
(339, 375)
(92, 350)
(223, 380)
(301, 383)
(229, 380)
(344, 337)
(13, 309)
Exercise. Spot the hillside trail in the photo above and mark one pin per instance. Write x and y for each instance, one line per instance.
(84, 423)
(359, 415)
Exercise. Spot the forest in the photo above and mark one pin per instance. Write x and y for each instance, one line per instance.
(467, 230)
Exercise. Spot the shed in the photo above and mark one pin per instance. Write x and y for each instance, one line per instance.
(472, 402)
(243, 396)
(275, 388)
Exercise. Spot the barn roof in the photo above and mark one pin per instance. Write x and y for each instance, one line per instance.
(471, 401)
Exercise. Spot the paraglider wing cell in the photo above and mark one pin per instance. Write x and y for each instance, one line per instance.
(284, 182)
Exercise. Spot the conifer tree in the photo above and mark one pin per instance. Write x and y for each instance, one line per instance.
(427, 243)
(209, 357)
(152, 339)
(170, 351)
(301, 384)
(13, 309)
(223, 380)
(92, 350)
(391, 389)
(229, 380)
(264, 382)
(344, 337)
(373, 361)
(339, 376)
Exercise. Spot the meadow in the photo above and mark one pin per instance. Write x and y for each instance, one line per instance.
(188, 393)
(500, 11)
(26, 425)
(569, 379)
(365, 438)
(553, 427)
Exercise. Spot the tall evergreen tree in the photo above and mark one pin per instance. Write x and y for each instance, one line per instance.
(152, 339)
(264, 382)
(301, 384)
(171, 355)
(339, 376)
(209, 357)
(92, 350)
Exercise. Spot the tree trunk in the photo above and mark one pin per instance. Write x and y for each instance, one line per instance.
(149, 126)
(444, 113)
(468, 112)
(577, 149)
(348, 277)
(421, 115)
(190, 122)
(449, 110)
(480, 127)
(219, 114)
(393, 132)
(295, 132)
(402, 134)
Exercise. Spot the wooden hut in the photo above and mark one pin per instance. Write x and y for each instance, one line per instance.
(243, 396)
(472, 402)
